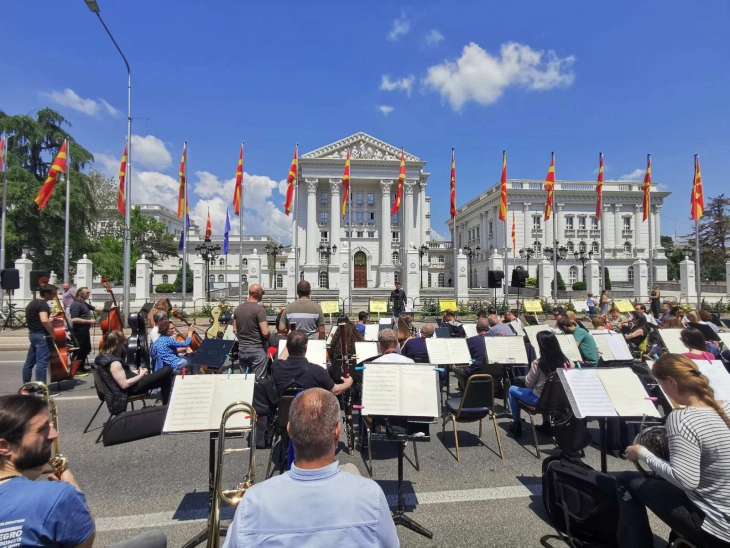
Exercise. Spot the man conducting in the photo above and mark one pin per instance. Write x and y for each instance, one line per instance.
(252, 330)
(307, 315)
(398, 298)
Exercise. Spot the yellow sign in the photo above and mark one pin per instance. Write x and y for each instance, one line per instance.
(448, 304)
(330, 307)
(379, 306)
(623, 306)
(532, 306)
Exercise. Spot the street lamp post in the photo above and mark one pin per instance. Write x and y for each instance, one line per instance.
(527, 253)
(272, 251)
(423, 250)
(560, 253)
(209, 253)
(94, 7)
(470, 254)
(328, 251)
(582, 257)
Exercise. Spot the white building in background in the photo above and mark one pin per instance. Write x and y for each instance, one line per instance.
(626, 236)
(166, 216)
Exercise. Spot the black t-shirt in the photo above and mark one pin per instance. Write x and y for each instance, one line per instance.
(398, 296)
(32, 315)
(307, 375)
(79, 309)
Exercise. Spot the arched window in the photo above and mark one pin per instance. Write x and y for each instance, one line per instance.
(211, 278)
(441, 279)
(279, 281)
(537, 247)
(244, 262)
(165, 278)
(396, 257)
(570, 246)
(582, 247)
(631, 274)
(594, 247)
(441, 262)
(573, 275)
(244, 280)
(627, 247)
(221, 279)
(323, 279)
(221, 262)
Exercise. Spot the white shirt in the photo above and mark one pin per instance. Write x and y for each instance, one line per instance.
(650, 319)
(154, 335)
(392, 357)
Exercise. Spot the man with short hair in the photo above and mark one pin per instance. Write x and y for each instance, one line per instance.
(252, 330)
(510, 316)
(362, 317)
(316, 503)
(641, 309)
(80, 313)
(398, 298)
(388, 344)
(666, 312)
(415, 347)
(586, 344)
(497, 328)
(307, 315)
(478, 350)
(297, 369)
(40, 333)
(68, 294)
(617, 319)
(456, 329)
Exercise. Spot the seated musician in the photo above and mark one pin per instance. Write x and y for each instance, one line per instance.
(456, 329)
(689, 492)
(477, 350)
(641, 309)
(388, 345)
(497, 328)
(551, 359)
(699, 349)
(586, 344)
(558, 314)
(81, 321)
(573, 318)
(166, 347)
(666, 312)
(415, 347)
(509, 317)
(297, 369)
(316, 503)
(362, 319)
(404, 332)
(707, 319)
(637, 330)
(617, 320)
(599, 324)
(43, 513)
(155, 331)
(352, 335)
(120, 381)
(678, 312)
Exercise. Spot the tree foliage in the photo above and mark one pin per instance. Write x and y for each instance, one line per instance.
(714, 238)
(606, 279)
(188, 280)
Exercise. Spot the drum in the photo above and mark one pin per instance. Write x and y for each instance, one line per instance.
(654, 438)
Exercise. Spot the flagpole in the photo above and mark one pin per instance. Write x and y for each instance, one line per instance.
(185, 230)
(554, 243)
(4, 158)
(68, 211)
(240, 235)
(295, 240)
(351, 260)
(602, 277)
(651, 250)
(698, 277)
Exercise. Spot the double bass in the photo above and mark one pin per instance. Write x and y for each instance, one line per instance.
(58, 364)
(111, 318)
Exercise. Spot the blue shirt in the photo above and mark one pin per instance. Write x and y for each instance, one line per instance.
(361, 328)
(313, 509)
(164, 349)
(43, 513)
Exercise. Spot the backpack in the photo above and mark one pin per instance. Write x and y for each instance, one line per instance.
(582, 503)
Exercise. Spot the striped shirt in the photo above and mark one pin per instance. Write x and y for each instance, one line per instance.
(306, 314)
(699, 448)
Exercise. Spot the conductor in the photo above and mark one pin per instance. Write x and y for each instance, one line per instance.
(398, 298)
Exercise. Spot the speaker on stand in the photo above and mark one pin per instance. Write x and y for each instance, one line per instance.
(10, 281)
(494, 280)
(519, 277)
(35, 279)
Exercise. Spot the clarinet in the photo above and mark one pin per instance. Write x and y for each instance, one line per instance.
(347, 396)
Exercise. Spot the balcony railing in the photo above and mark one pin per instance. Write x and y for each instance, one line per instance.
(536, 233)
(569, 233)
(595, 233)
(582, 233)
(627, 233)
(323, 223)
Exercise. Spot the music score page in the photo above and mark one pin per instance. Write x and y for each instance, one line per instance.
(506, 350)
(400, 390)
(316, 352)
(365, 350)
(448, 351)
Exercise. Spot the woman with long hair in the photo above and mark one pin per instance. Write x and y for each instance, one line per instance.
(699, 348)
(691, 491)
(551, 359)
(403, 331)
(638, 330)
(655, 300)
(352, 336)
(162, 305)
(604, 301)
(166, 347)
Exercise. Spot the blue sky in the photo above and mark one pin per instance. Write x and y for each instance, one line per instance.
(625, 78)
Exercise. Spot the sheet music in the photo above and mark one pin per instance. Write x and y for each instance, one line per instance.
(569, 347)
(447, 351)
(517, 328)
(670, 338)
(532, 331)
(612, 346)
(332, 333)
(588, 393)
(718, 376)
(229, 334)
(400, 390)
(470, 329)
(725, 338)
(626, 392)
(604, 348)
(506, 350)
(580, 306)
(365, 350)
(371, 332)
(197, 402)
(385, 321)
(316, 352)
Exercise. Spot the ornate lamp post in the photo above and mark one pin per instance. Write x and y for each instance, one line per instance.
(583, 257)
(327, 250)
(562, 253)
(470, 254)
(209, 252)
(423, 250)
(273, 251)
(527, 254)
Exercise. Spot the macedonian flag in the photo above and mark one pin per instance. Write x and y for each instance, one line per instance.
(550, 187)
(2, 154)
(647, 188)
(401, 180)
(503, 189)
(697, 208)
(208, 227)
(599, 187)
(122, 180)
(453, 184)
(346, 184)
(239, 184)
(291, 180)
(59, 166)
(182, 193)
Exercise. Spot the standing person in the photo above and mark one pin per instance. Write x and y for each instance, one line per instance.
(591, 303)
(68, 294)
(252, 330)
(40, 333)
(80, 312)
(655, 297)
(307, 315)
(398, 298)
(603, 301)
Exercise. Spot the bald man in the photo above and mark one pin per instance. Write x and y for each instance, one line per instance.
(252, 331)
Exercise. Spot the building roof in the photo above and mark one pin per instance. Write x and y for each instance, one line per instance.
(362, 147)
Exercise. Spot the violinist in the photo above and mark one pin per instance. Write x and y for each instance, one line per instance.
(81, 320)
(164, 350)
(40, 333)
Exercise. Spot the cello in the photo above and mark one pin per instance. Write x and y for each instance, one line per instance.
(195, 340)
(58, 364)
(111, 319)
(138, 352)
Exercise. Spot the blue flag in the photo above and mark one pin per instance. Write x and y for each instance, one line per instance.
(225, 238)
(181, 245)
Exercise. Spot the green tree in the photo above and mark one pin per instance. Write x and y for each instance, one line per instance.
(606, 278)
(714, 238)
(188, 280)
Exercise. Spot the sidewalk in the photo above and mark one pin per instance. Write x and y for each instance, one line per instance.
(17, 339)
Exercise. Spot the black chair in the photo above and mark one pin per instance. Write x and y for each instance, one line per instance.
(442, 333)
(100, 393)
(545, 405)
(474, 405)
(706, 331)
(282, 419)
(716, 320)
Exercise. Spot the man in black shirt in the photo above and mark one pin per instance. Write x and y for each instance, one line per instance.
(398, 296)
(80, 312)
(40, 333)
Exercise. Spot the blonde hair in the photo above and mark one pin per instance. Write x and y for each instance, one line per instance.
(571, 316)
(689, 380)
(404, 332)
(693, 316)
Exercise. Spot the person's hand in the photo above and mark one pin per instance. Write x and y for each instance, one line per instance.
(143, 371)
(348, 382)
(66, 476)
(632, 452)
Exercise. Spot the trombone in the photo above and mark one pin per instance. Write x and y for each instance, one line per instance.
(58, 463)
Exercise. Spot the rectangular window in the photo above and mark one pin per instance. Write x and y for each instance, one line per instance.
(371, 199)
(323, 236)
(323, 198)
(568, 223)
(395, 236)
(491, 229)
(394, 219)
(359, 234)
(347, 218)
(347, 234)
(477, 232)
(594, 223)
(627, 223)
(323, 217)
(359, 198)
(371, 234)
(535, 223)
(359, 217)
(581, 223)
(371, 216)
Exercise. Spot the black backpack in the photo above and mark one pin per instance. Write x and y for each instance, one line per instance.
(581, 502)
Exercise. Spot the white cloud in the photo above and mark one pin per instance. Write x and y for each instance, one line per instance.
(636, 175)
(153, 187)
(385, 109)
(150, 152)
(406, 84)
(483, 78)
(69, 98)
(107, 164)
(437, 237)
(433, 37)
(400, 27)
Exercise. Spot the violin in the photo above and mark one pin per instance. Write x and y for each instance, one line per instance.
(195, 340)
(111, 318)
(58, 365)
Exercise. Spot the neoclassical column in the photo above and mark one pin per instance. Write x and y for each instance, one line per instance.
(422, 211)
(656, 236)
(602, 224)
(548, 228)
(408, 205)
(312, 227)
(335, 211)
(638, 213)
(527, 225)
(561, 224)
(617, 227)
(385, 236)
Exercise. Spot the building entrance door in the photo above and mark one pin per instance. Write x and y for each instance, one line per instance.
(361, 270)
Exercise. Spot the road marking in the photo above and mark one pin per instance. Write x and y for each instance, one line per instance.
(192, 516)
(66, 398)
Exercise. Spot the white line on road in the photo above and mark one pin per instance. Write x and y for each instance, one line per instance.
(193, 515)
(66, 398)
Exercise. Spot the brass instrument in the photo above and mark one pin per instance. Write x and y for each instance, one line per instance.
(654, 438)
(58, 463)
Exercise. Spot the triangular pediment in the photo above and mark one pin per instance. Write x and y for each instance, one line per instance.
(363, 147)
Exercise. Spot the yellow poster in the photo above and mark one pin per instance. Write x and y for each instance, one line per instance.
(448, 304)
(330, 307)
(532, 306)
(623, 306)
(379, 306)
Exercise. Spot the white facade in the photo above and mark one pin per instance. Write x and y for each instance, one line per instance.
(166, 216)
(625, 235)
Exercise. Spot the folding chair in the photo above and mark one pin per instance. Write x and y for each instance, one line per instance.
(282, 419)
(543, 405)
(100, 393)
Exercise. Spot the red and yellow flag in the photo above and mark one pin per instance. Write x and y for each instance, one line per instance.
(208, 227)
(599, 187)
(291, 179)
(514, 235)
(503, 189)
(122, 180)
(239, 184)
(182, 194)
(698, 196)
(2, 154)
(59, 166)
(453, 185)
(550, 187)
(401, 180)
(647, 188)
(346, 184)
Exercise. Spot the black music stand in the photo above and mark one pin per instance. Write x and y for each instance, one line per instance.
(213, 353)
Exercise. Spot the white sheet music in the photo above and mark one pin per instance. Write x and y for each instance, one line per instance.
(588, 393)
(517, 328)
(626, 392)
(400, 390)
(612, 346)
(365, 350)
(316, 352)
(371, 332)
(448, 351)
(725, 338)
(332, 332)
(718, 376)
(470, 329)
(506, 350)
(197, 402)
(532, 331)
(569, 347)
(670, 337)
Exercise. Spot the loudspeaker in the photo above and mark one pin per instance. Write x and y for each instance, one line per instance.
(10, 279)
(519, 276)
(494, 279)
(35, 276)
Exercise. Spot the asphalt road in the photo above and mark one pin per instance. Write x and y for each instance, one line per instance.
(162, 482)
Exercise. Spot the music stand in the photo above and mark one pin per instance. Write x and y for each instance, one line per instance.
(213, 353)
